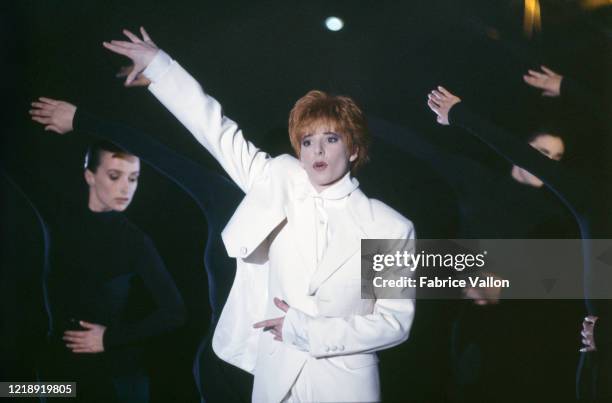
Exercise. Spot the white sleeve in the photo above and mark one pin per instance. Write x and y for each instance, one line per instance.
(388, 325)
(295, 328)
(203, 116)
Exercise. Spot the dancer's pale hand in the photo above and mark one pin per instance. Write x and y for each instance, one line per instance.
(441, 101)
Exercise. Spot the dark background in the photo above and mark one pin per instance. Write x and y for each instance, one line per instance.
(257, 58)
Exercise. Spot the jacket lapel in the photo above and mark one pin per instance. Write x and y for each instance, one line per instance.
(344, 244)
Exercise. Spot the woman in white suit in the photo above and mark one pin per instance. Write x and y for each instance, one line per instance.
(294, 317)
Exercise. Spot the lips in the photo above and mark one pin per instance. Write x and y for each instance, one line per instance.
(122, 200)
(319, 165)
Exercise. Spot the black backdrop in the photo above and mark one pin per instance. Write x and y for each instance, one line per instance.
(257, 58)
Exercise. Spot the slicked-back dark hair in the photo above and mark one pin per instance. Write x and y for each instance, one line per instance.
(93, 155)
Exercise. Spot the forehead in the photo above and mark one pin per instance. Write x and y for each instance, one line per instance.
(119, 162)
(319, 126)
(549, 142)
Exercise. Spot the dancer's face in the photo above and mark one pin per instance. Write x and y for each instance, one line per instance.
(549, 145)
(113, 184)
(324, 156)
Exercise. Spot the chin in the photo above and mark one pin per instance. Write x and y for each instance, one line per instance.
(324, 183)
(120, 208)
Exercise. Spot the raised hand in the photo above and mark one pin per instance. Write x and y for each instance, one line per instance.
(140, 51)
(483, 295)
(90, 340)
(441, 101)
(55, 115)
(588, 334)
(139, 81)
(546, 80)
(274, 326)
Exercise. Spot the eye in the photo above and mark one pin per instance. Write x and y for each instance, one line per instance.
(113, 177)
(133, 179)
(332, 139)
(306, 143)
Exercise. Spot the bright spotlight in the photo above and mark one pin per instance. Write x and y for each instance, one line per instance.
(334, 23)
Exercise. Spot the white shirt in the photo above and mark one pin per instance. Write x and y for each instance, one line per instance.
(330, 214)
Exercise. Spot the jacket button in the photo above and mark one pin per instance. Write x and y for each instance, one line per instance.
(243, 251)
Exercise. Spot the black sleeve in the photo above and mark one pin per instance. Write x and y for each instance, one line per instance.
(170, 311)
(209, 189)
(569, 187)
(578, 94)
(603, 334)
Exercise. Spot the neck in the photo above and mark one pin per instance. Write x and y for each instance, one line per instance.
(94, 205)
(321, 188)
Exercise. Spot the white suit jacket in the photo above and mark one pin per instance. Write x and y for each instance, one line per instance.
(271, 237)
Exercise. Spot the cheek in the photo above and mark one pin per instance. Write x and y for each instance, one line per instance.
(109, 189)
(305, 158)
(340, 156)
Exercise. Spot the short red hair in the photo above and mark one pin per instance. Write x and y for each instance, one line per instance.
(341, 114)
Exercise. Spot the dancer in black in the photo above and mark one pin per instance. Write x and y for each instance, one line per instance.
(97, 258)
(591, 213)
(216, 197)
(492, 205)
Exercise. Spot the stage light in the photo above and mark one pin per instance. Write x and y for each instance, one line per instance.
(334, 23)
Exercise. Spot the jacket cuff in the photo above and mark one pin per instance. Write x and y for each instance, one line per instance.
(158, 66)
(295, 329)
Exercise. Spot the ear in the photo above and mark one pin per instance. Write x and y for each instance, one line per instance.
(355, 154)
(89, 178)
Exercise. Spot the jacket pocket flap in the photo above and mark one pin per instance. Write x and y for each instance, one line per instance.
(355, 361)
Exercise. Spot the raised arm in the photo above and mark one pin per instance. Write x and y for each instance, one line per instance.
(208, 189)
(201, 114)
(572, 189)
(553, 84)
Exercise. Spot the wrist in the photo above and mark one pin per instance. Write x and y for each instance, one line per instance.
(157, 66)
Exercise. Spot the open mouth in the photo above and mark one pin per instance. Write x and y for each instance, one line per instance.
(319, 165)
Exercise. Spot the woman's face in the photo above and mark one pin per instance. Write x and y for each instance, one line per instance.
(549, 145)
(113, 184)
(324, 156)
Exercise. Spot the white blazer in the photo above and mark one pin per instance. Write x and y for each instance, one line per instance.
(271, 237)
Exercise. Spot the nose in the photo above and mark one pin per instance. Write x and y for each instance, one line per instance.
(125, 188)
(319, 148)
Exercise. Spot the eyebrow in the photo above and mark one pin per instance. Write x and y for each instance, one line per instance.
(324, 133)
(119, 171)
